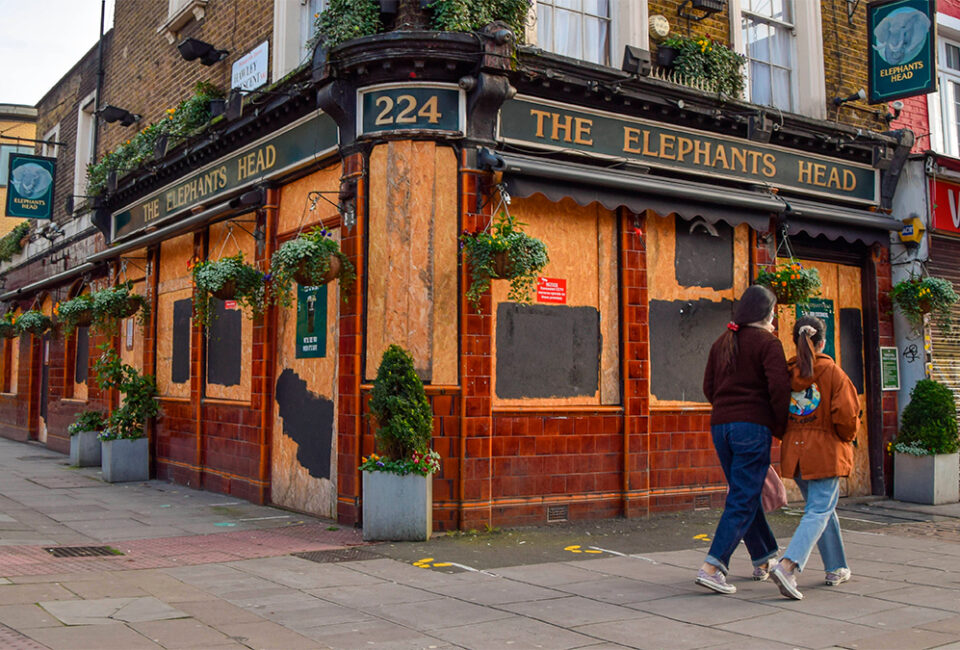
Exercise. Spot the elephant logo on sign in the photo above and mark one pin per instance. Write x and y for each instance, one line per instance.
(900, 36)
(31, 180)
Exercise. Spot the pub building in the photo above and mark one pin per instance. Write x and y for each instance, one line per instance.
(658, 204)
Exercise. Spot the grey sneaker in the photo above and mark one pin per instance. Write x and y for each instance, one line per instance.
(786, 582)
(762, 572)
(837, 577)
(715, 582)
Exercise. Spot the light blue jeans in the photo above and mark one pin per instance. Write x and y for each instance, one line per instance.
(819, 525)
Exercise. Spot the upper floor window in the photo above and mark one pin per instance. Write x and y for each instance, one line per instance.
(309, 9)
(768, 34)
(50, 139)
(5, 151)
(85, 136)
(293, 28)
(580, 29)
(945, 134)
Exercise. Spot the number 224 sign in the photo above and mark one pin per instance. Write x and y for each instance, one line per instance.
(410, 107)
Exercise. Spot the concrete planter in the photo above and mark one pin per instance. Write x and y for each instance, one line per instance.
(926, 479)
(125, 460)
(397, 508)
(85, 449)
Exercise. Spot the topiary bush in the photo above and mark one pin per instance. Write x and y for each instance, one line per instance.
(399, 405)
(929, 423)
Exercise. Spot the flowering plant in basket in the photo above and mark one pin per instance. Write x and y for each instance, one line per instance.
(34, 322)
(917, 296)
(792, 283)
(112, 304)
(228, 278)
(73, 313)
(314, 258)
(503, 251)
(8, 326)
(424, 464)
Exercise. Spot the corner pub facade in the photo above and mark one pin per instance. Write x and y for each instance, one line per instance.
(658, 204)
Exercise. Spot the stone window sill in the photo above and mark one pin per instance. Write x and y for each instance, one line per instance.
(192, 10)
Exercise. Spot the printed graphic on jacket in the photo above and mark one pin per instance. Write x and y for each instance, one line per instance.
(804, 402)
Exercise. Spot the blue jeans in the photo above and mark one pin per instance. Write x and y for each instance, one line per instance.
(744, 452)
(819, 525)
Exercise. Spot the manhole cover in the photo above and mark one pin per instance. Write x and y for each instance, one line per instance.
(352, 554)
(82, 551)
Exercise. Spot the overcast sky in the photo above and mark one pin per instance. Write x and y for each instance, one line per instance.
(40, 40)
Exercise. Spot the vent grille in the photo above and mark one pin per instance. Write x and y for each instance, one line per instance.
(351, 554)
(701, 502)
(557, 513)
(82, 551)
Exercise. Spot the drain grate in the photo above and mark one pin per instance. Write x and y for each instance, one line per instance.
(351, 554)
(557, 513)
(82, 551)
(38, 457)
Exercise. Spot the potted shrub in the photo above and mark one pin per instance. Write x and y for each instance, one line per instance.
(84, 438)
(925, 451)
(74, 313)
(113, 304)
(34, 322)
(397, 486)
(503, 251)
(791, 282)
(700, 60)
(228, 278)
(125, 452)
(312, 259)
(916, 297)
(8, 326)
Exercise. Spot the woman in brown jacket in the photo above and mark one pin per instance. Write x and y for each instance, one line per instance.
(816, 451)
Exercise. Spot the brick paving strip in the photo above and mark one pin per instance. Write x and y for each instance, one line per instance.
(10, 639)
(181, 551)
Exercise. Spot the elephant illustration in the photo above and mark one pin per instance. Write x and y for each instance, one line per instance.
(31, 180)
(900, 36)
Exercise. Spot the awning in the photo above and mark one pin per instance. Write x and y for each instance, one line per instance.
(835, 222)
(612, 188)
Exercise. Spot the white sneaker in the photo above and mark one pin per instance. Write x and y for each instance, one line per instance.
(837, 577)
(786, 582)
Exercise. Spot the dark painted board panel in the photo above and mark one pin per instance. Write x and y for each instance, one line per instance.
(224, 345)
(681, 333)
(82, 356)
(180, 366)
(308, 420)
(547, 351)
(703, 254)
(851, 345)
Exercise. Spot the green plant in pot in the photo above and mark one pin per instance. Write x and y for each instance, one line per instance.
(915, 297)
(229, 278)
(397, 486)
(503, 251)
(791, 282)
(87, 421)
(74, 313)
(8, 326)
(113, 304)
(312, 259)
(84, 438)
(34, 322)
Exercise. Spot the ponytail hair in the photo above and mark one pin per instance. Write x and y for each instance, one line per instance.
(755, 305)
(808, 333)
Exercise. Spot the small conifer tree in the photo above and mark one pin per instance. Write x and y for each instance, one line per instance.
(400, 407)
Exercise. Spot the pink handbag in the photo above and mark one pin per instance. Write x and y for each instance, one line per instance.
(773, 496)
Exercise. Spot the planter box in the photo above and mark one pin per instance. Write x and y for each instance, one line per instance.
(926, 479)
(85, 449)
(397, 508)
(125, 460)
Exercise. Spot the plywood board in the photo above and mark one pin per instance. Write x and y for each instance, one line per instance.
(131, 334)
(166, 343)
(295, 202)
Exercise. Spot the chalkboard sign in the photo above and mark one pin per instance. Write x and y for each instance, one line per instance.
(851, 345)
(224, 345)
(703, 255)
(180, 363)
(82, 362)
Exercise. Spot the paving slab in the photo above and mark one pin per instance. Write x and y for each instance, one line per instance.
(184, 633)
(704, 609)
(372, 633)
(92, 637)
(498, 592)
(902, 640)
(14, 594)
(572, 611)
(512, 632)
(800, 629)
(621, 591)
(649, 632)
(438, 614)
(103, 611)
(264, 635)
(365, 597)
(24, 617)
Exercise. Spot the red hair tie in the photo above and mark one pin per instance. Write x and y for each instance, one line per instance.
(733, 327)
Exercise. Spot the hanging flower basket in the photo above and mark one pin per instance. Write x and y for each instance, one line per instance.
(73, 313)
(792, 282)
(227, 291)
(34, 322)
(8, 328)
(113, 304)
(304, 276)
(917, 297)
(312, 259)
(229, 278)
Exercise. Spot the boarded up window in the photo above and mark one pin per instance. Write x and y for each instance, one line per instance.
(180, 370)
(224, 345)
(547, 351)
(704, 254)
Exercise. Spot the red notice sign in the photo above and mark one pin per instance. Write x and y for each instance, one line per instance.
(552, 290)
(229, 304)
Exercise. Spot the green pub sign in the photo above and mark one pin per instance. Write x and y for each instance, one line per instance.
(902, 59)
(30, 186)
(822, 309)
(411, 107)
(311, 322)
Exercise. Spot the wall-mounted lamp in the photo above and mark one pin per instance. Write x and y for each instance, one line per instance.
(709, 7)
(636, 61)
(859, 95)
(192, 48)
(760, 127)
(113, 114)
(897, 108)
(249, 199)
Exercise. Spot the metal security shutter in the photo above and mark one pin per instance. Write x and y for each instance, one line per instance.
(945, 346)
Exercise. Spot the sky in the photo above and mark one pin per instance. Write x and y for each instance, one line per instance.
(40, 40)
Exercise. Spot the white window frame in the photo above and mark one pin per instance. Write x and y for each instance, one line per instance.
(289, 26)
(944, 137)
(84, 153)
(628, 26)
(809, 88)
(50, 138)
(179, 14)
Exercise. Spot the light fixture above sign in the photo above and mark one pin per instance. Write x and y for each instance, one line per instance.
(192, 48)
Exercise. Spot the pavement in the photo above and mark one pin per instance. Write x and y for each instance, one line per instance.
(154, 565)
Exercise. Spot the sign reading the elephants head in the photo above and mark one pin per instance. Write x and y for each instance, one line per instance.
(30, 190)
(903, 55)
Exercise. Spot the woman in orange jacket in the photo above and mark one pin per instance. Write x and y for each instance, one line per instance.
(816, 451)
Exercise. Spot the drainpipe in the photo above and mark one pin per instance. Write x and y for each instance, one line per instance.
(96, 99)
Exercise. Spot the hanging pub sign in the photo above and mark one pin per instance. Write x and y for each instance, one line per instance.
(902, 60)
(30, 186)
(311, 322)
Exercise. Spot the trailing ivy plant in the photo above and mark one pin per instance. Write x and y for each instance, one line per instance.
(34, 322)
(10, 243)
(87, 421)
(138, 393)
(473, 15)
(74, 312)
(112, 304)
(307, 260)
(233, 279)
(344, 20)
(929, 421)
